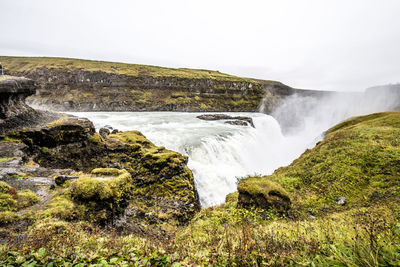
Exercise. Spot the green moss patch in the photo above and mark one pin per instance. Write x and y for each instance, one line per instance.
(13, 200)
(108, 172)
(7, 217)
(232, 198)
(4, 187)
(63, 207)
(114, 189)
(26, 198)
(96, 198)
(6, 159)
(7, 202)
(132, 138)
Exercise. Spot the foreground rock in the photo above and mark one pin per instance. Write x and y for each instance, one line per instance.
(233, 120)
(162, 185)
(118, 180)
(255, 192)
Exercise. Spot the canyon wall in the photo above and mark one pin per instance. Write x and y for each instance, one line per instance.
(81, 85)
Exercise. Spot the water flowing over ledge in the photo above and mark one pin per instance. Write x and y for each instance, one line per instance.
(218, 153)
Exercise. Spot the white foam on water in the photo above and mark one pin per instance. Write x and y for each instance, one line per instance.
(218, 153)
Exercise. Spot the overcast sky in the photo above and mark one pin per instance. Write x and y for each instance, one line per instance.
(317, 44)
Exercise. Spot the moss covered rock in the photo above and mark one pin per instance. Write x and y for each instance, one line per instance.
(114, 187)
(63, 207)
(262, 193)
(126, 179)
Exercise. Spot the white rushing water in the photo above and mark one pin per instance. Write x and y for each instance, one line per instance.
(218, 153)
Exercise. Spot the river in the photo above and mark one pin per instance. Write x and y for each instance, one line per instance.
(219, 153)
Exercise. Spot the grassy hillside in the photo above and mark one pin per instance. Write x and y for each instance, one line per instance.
(358, 159)
(28, 63)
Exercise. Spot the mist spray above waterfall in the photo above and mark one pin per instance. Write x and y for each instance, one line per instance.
(317, 113)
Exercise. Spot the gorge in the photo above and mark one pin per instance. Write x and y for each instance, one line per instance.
(148, 180)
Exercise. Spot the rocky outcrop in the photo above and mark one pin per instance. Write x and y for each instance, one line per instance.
(233, 120)
(118, 180)
(162, 186)
(13, 110)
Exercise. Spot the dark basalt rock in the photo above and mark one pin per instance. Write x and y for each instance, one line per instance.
(234, 120)
(100, 91)
(104, 132)
(60, 180)
(13, 110)
(239, 123)
(66, 130)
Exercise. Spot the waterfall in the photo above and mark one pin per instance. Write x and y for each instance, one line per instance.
(219, 154)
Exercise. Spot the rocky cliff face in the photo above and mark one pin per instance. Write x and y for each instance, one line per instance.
(98, 91)
(76, 85)
(13, 110)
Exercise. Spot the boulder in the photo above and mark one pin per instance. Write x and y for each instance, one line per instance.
(104, 132)
(239, 123)
(61, 179)
(341, 201)
(260, 192)
(214, 117)
(14, 112)
(234, 120)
